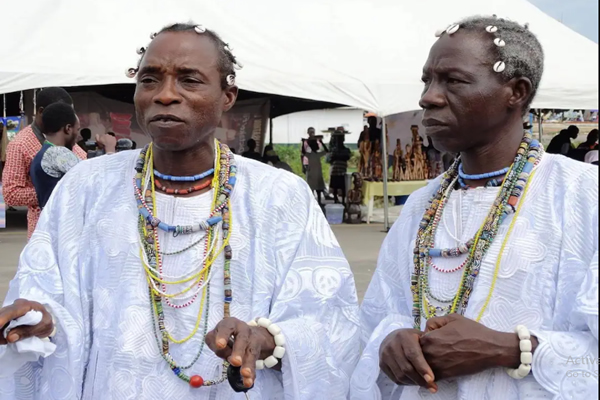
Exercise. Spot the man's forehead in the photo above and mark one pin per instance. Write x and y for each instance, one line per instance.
(459, 51)
(183, 48)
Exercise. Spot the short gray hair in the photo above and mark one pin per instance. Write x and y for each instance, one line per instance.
(522, 54)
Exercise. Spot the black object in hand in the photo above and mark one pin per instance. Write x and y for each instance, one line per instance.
(234, 376)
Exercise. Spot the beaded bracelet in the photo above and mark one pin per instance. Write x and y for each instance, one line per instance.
(526, 356)
(279, 351)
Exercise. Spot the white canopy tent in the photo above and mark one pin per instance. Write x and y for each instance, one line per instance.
(362, 53)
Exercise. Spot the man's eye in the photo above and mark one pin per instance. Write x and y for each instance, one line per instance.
(192, 81)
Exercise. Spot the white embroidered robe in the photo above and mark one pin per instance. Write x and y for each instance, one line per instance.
(84, 262)
(548, 281)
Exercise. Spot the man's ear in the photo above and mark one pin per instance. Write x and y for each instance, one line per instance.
(522, 89)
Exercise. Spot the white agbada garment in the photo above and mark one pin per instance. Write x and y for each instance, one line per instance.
(84, 262)
(548, 281)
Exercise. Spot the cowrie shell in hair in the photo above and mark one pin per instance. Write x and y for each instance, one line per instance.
(500, 66)
(492, 29)
(499, 42)
(230, 80)
(452, 29)
(238, 65)
(153, 35)
(439, 33)
(130, 73)
(199, 29)
(140, 50)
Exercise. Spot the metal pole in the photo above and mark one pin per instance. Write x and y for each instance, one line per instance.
(540, 127)
(386, 222)
(270, 130)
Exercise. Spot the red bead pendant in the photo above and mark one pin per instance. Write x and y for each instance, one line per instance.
(196, 381)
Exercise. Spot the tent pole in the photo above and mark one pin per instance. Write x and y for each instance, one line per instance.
(386, 222)
(540, 127)
(270, 130)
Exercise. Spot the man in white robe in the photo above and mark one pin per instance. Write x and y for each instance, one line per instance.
(83, 264)
(548, 280)
(548, 269)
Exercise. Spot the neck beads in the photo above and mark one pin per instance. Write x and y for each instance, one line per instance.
(512, 189)
(198, 282)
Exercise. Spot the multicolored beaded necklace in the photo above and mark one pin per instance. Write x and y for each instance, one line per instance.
(528, 155)
(222, 184)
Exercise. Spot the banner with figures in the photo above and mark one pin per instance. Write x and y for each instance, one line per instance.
(247, 119)
(413, 156)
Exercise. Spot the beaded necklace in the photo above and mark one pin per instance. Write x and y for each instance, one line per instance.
(192, 178)
(223, 183)
(191, 189)
(517, 176)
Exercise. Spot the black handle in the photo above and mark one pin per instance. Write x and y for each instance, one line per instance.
(235, 379)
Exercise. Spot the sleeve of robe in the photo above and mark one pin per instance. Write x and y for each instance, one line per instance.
(386, 307)
(566, 360)
(48, 273)
(315, 304)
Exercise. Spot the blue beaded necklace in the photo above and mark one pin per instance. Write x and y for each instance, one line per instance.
(192, 178)
(477, 177)
(462, 176)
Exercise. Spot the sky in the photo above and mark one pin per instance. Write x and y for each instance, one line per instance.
(579, 15)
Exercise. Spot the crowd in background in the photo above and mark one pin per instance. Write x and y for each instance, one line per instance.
(585, 152)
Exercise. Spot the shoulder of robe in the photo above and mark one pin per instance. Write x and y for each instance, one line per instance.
(569, 174)
(278, 185)
(97, 170)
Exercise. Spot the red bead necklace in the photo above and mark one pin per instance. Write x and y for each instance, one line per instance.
(189, 190)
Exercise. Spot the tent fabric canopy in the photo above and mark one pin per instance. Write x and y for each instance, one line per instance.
(360, 53)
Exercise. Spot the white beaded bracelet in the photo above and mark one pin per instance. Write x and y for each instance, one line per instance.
(279, 351)
(526, 355)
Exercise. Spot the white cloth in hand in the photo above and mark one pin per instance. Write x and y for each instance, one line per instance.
(14, 355)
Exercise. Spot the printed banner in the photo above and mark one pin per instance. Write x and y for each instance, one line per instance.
(13, 126)
(247, 119)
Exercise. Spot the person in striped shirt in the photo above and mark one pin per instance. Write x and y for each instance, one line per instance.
(17, 187)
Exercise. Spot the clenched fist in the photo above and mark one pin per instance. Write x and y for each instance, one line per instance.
(18, 309)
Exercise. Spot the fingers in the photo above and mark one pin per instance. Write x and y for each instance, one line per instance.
(402, 360)
(417, 368)
(18, 309)
(240, 344)
(218, 339)
(7, 314)
(396, 374)
(438, 322)
(243, 352)
(41, 330)
(248, 370)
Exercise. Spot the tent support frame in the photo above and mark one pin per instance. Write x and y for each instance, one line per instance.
(386, 221)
